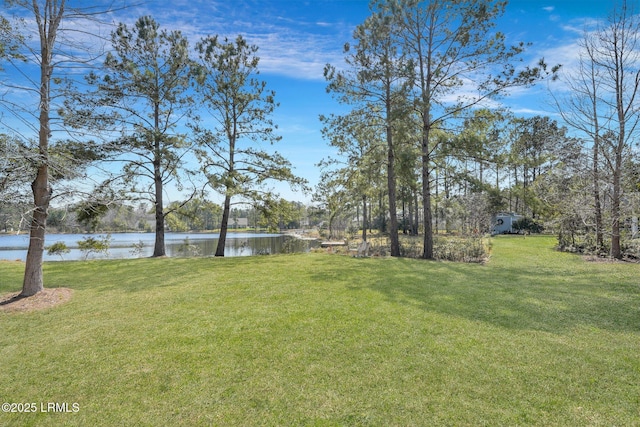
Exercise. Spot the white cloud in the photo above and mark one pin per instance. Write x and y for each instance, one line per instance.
(568, 55)
(532, 112)
(295, 54)
(287, 46)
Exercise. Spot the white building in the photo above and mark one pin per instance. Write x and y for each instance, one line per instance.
(503, 223)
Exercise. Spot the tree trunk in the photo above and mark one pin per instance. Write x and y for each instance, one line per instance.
(416, 221)
(33, 279)
(364, 218)
(616, 251)
(596, 170)
(222, 240)
(427, 252)
(404, 211)
(391, 184)
(426, 79)
(596, 197)
(382, 227)
(159, 249)
(410, 209)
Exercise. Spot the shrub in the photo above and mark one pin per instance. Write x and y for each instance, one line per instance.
(137, 249)
(90, 245)
(58, 248)
(188, 249)
(460, 249)
(527, 224)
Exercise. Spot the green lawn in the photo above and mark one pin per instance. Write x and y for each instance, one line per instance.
(534, 337)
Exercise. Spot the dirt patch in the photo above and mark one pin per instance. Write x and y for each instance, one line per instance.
(609, 260)
(600, 259)
(47, 298)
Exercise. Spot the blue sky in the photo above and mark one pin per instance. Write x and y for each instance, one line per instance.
(296, 38)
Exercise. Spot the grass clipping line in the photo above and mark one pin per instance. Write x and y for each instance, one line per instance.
(47, 298)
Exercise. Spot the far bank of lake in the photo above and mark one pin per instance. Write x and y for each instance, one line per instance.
(140, 245)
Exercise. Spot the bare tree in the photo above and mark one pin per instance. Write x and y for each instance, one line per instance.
(32, 117)
(603, 104)
(617, 54)
(580, 109)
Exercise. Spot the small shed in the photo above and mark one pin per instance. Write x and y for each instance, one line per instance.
(503, 223)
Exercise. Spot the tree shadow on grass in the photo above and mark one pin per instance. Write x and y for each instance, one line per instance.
(122, 275)
(144, 274)
(531, 298)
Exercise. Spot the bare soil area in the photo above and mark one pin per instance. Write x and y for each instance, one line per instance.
(47, 298)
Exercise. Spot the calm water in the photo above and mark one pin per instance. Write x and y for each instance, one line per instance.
(14, 247)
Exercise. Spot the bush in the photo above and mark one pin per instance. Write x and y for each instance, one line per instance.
(90, 245)
(188, 249)
(529, 225)
(631, 249)
(137, 249)
(58, 248)
(460, 249)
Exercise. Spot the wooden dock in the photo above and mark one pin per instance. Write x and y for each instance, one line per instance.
(332, 244)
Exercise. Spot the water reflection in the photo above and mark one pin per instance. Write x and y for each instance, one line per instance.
(140, 245)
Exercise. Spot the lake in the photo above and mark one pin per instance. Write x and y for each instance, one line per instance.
(140, 245)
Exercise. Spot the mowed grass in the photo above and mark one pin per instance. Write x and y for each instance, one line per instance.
(534, 337)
